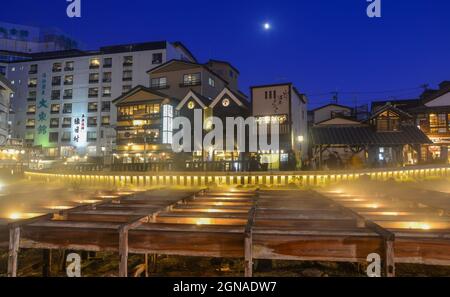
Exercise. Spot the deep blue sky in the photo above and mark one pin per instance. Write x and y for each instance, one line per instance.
(320, 45)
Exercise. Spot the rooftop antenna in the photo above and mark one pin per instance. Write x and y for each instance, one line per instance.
(335, 97)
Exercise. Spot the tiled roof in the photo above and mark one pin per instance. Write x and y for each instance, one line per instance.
(366, 135)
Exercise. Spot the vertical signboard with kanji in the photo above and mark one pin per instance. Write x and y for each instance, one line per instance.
(42, 114)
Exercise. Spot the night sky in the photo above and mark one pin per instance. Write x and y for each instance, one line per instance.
(320, 45)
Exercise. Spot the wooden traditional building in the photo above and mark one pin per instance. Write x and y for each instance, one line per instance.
(388, 138)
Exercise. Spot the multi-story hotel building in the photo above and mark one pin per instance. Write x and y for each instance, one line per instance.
(62, 99)
(6, 90)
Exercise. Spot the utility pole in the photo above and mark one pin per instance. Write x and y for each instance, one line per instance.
(335, 98)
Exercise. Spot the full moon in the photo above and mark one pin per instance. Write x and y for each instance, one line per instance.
(266, 26)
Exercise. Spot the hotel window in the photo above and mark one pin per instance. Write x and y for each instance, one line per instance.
(54, 123)
(127, 75)
(29, 136)
(32, 95)
(128, 61)
(92, 136)
(32, 82)
(56, 94)
(438, 123)
(66, 136)
(31, 109)
(167, 123)
(157, 58)
(67, 122)
(93, 93)
(30, 123)
(54, 108)
(159, 83)
(106, 92)
(107, 62)
(105, 120)
(56, 80)
(107, 77)
(126, 89)
(94, 63)
(93, 78)
(212, 82)
(57, 67)
(152, 108)
(69, 66)
(92, 107)
(68, 94)
(33, 69)
(106, 106)
(191, 79)
(67, 108)
(53, 137)
(92, 121)
(68, 80)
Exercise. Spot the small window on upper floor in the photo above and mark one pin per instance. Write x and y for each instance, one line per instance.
(94, 63)
(212, 82)
(128, 61)
(157, 58)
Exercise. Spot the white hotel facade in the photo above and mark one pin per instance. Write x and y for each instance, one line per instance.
(62, 100)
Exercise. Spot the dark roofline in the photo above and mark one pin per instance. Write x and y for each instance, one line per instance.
(271, 85)
(334, 104)
(180, 44)
(105, 50)
(356, 122)
(141, 88)
(191, 63)
(224, 62)
(388, 106)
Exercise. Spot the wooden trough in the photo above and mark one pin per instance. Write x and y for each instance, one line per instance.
(287, 225)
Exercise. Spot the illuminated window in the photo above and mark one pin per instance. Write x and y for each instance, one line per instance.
(30, 123)
(54, 108)
(94, 63)
(226, 102)
(388, 122)
(31, 109)
(54, 123)
(68, 80)
(191, 104)
(191, 79)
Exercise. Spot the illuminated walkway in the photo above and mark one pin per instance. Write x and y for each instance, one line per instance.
(201, 179)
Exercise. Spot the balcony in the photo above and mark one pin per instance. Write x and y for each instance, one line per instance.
(32, 85)
(94, 66)
(139, 140)
(107, 65)
(54, 125)
(92, 109)
(30, 126)
(107, 80)
(33, 71)
(191, 83)
(66, 125)
(56, 83)
(93, 81)
(92, 139)
(93, 95)
(56, 97)
(127, 79)
(127, 64)
(54, 111)
(31, 112)
(65, 139)
(31, 99)
(68, 83)
(57, 69)
(67, 97)
(154, 116)
(159, 86)
(68, 68)
(65, 111)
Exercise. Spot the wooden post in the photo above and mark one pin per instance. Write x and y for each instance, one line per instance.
(14, 241)
(47, 262)
(123, 253)
(146, 264)
(248, 261)
(389, 257)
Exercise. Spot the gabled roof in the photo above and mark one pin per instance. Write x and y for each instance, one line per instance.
(404, 104)
(237, 98)
(223, 62)
(366, 135)
(388, 106)
(201, 100)
(183, 47)
(140, 88)
(344, 121)
(332, 104)
(5, 83)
